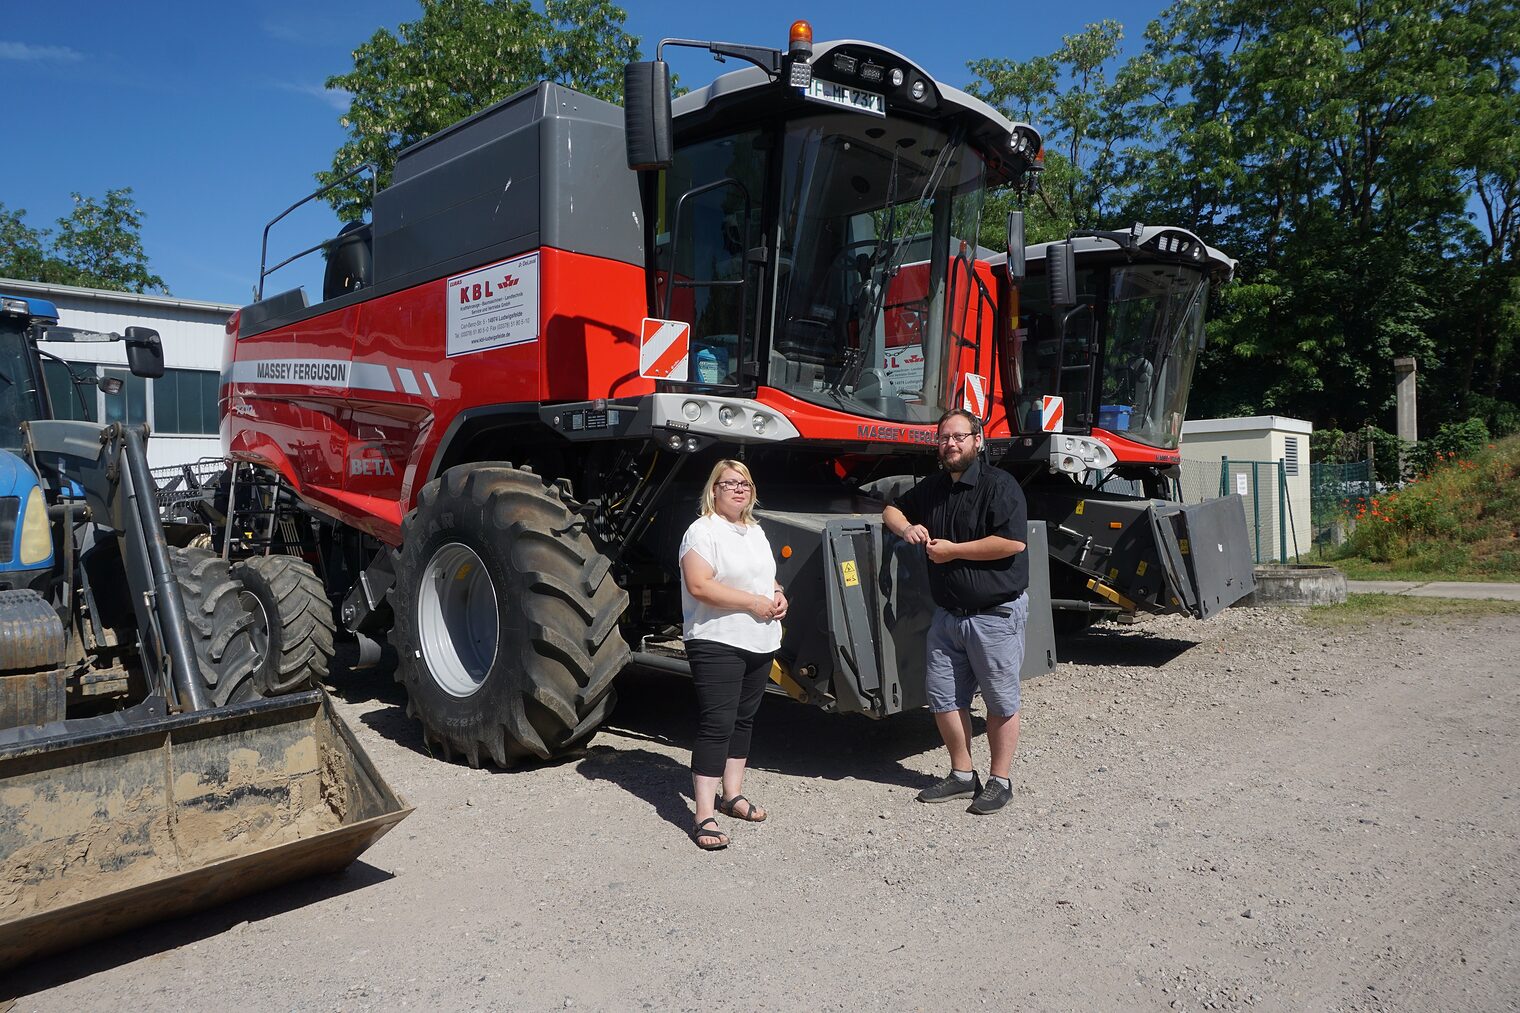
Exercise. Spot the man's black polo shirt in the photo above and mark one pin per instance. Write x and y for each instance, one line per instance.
(983, 501)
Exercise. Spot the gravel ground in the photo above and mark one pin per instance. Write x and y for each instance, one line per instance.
(1248, 812)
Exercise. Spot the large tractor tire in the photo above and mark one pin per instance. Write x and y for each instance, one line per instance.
(223, 630)
(294, 622)
(506, 618)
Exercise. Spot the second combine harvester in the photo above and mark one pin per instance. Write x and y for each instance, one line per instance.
(494, 426)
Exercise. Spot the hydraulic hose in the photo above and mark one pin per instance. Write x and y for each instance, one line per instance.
(188, 683)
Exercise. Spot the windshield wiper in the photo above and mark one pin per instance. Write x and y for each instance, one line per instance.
(881, 282)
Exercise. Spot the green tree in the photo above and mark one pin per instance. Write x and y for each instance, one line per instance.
(98, 245)
(458, 58)
(23, 249)
(1083, 102)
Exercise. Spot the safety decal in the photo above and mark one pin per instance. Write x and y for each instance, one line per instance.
(665, 349)
(1052, 414)
(851, 577)
(1140, 570)
(493, 307)
(975, 397)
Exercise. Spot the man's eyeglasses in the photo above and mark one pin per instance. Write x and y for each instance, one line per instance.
(733, 485)
(946, 438)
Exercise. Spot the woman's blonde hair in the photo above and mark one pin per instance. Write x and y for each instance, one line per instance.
(709, 504)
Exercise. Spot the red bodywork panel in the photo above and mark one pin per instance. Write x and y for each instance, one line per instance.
(361, 449)
(351, 406)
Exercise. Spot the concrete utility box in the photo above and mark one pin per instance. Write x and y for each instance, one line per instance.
(1266, 440)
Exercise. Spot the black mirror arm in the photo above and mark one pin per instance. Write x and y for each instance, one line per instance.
(768, 60)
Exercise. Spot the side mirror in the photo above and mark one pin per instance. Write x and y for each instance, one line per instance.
(647, 125)
(1016, 245)
(145, 352)
(1061, 273)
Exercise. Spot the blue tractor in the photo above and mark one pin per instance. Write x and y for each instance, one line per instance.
(152, 742)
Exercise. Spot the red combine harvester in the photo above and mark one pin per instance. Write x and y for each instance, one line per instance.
(493, 428)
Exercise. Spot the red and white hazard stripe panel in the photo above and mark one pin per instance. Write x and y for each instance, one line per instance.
(974, 398)
(1052, 414)
(665, 349)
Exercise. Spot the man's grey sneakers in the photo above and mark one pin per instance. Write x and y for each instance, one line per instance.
(991, 798)
(952, 788)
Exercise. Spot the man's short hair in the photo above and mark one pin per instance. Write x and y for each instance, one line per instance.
(976, 423)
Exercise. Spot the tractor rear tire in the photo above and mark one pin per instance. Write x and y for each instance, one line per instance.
(506, 618)
(223, 631)
(292, 606)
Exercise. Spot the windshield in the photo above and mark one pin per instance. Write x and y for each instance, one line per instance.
(871, 212)
(1154, 334)
(20, 399)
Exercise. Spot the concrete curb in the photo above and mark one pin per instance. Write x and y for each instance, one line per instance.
(1296, 586)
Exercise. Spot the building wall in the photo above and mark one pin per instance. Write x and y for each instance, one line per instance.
(1206, 441)
(192, 333)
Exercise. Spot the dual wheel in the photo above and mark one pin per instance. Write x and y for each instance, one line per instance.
(260, 627)
(506, 618)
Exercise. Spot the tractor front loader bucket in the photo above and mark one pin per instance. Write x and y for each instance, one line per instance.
(110, 829)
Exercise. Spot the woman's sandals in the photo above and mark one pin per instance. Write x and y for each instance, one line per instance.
(751, 814)
(709, 838)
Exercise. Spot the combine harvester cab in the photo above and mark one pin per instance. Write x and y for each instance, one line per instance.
(1108, 331)
(141, 774)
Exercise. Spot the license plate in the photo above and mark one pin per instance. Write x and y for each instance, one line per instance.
(850, 98)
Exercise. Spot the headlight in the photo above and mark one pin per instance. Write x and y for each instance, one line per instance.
(727, 414)
(759, 422)
(692, 410)
(36, 533)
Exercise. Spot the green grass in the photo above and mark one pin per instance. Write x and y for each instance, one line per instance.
(1365, 609)
(1460, 522)
(1361, 569)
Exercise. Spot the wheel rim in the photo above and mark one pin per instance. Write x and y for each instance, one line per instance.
(457, 619)
(258, 633)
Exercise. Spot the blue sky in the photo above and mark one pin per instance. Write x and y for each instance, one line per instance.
(215, 114)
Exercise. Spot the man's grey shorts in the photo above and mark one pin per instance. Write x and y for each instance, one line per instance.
(981, 650)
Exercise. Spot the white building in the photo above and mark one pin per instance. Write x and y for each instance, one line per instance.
(1264, 460)
(180, 408)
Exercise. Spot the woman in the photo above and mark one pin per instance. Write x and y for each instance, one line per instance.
(733, 609)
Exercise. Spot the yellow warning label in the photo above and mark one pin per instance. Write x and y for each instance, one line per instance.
(851, 578)
(1182, 544)
(1140, 570)
(1081, 505)
(463, 571)
(1113, 574)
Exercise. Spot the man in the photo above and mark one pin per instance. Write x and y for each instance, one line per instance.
(973, 523)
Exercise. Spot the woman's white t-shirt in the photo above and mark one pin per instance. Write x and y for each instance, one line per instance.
(740, 556)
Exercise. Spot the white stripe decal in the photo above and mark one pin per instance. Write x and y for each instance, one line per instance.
(431, 386)
(408, 381)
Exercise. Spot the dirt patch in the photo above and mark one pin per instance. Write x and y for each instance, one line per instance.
(104, 826)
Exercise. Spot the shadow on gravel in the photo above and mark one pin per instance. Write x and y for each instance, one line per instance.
(659, 780)
(1134, 648)
(154, 940)
(790, 738)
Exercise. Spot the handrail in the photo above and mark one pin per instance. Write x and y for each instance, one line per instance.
(264, 271)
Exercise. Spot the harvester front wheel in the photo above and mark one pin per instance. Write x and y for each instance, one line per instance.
(295, 619)
(223, 631)
(506, 618)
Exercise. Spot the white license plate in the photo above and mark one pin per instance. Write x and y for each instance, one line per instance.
(850, 98)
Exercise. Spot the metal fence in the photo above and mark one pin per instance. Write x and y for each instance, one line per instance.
(1263, 488)
(1336, 491)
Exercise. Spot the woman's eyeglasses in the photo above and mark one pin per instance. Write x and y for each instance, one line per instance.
(733, 485)
(953, 438)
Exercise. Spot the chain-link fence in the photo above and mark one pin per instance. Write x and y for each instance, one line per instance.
(1276, 503)
(1336, 491)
